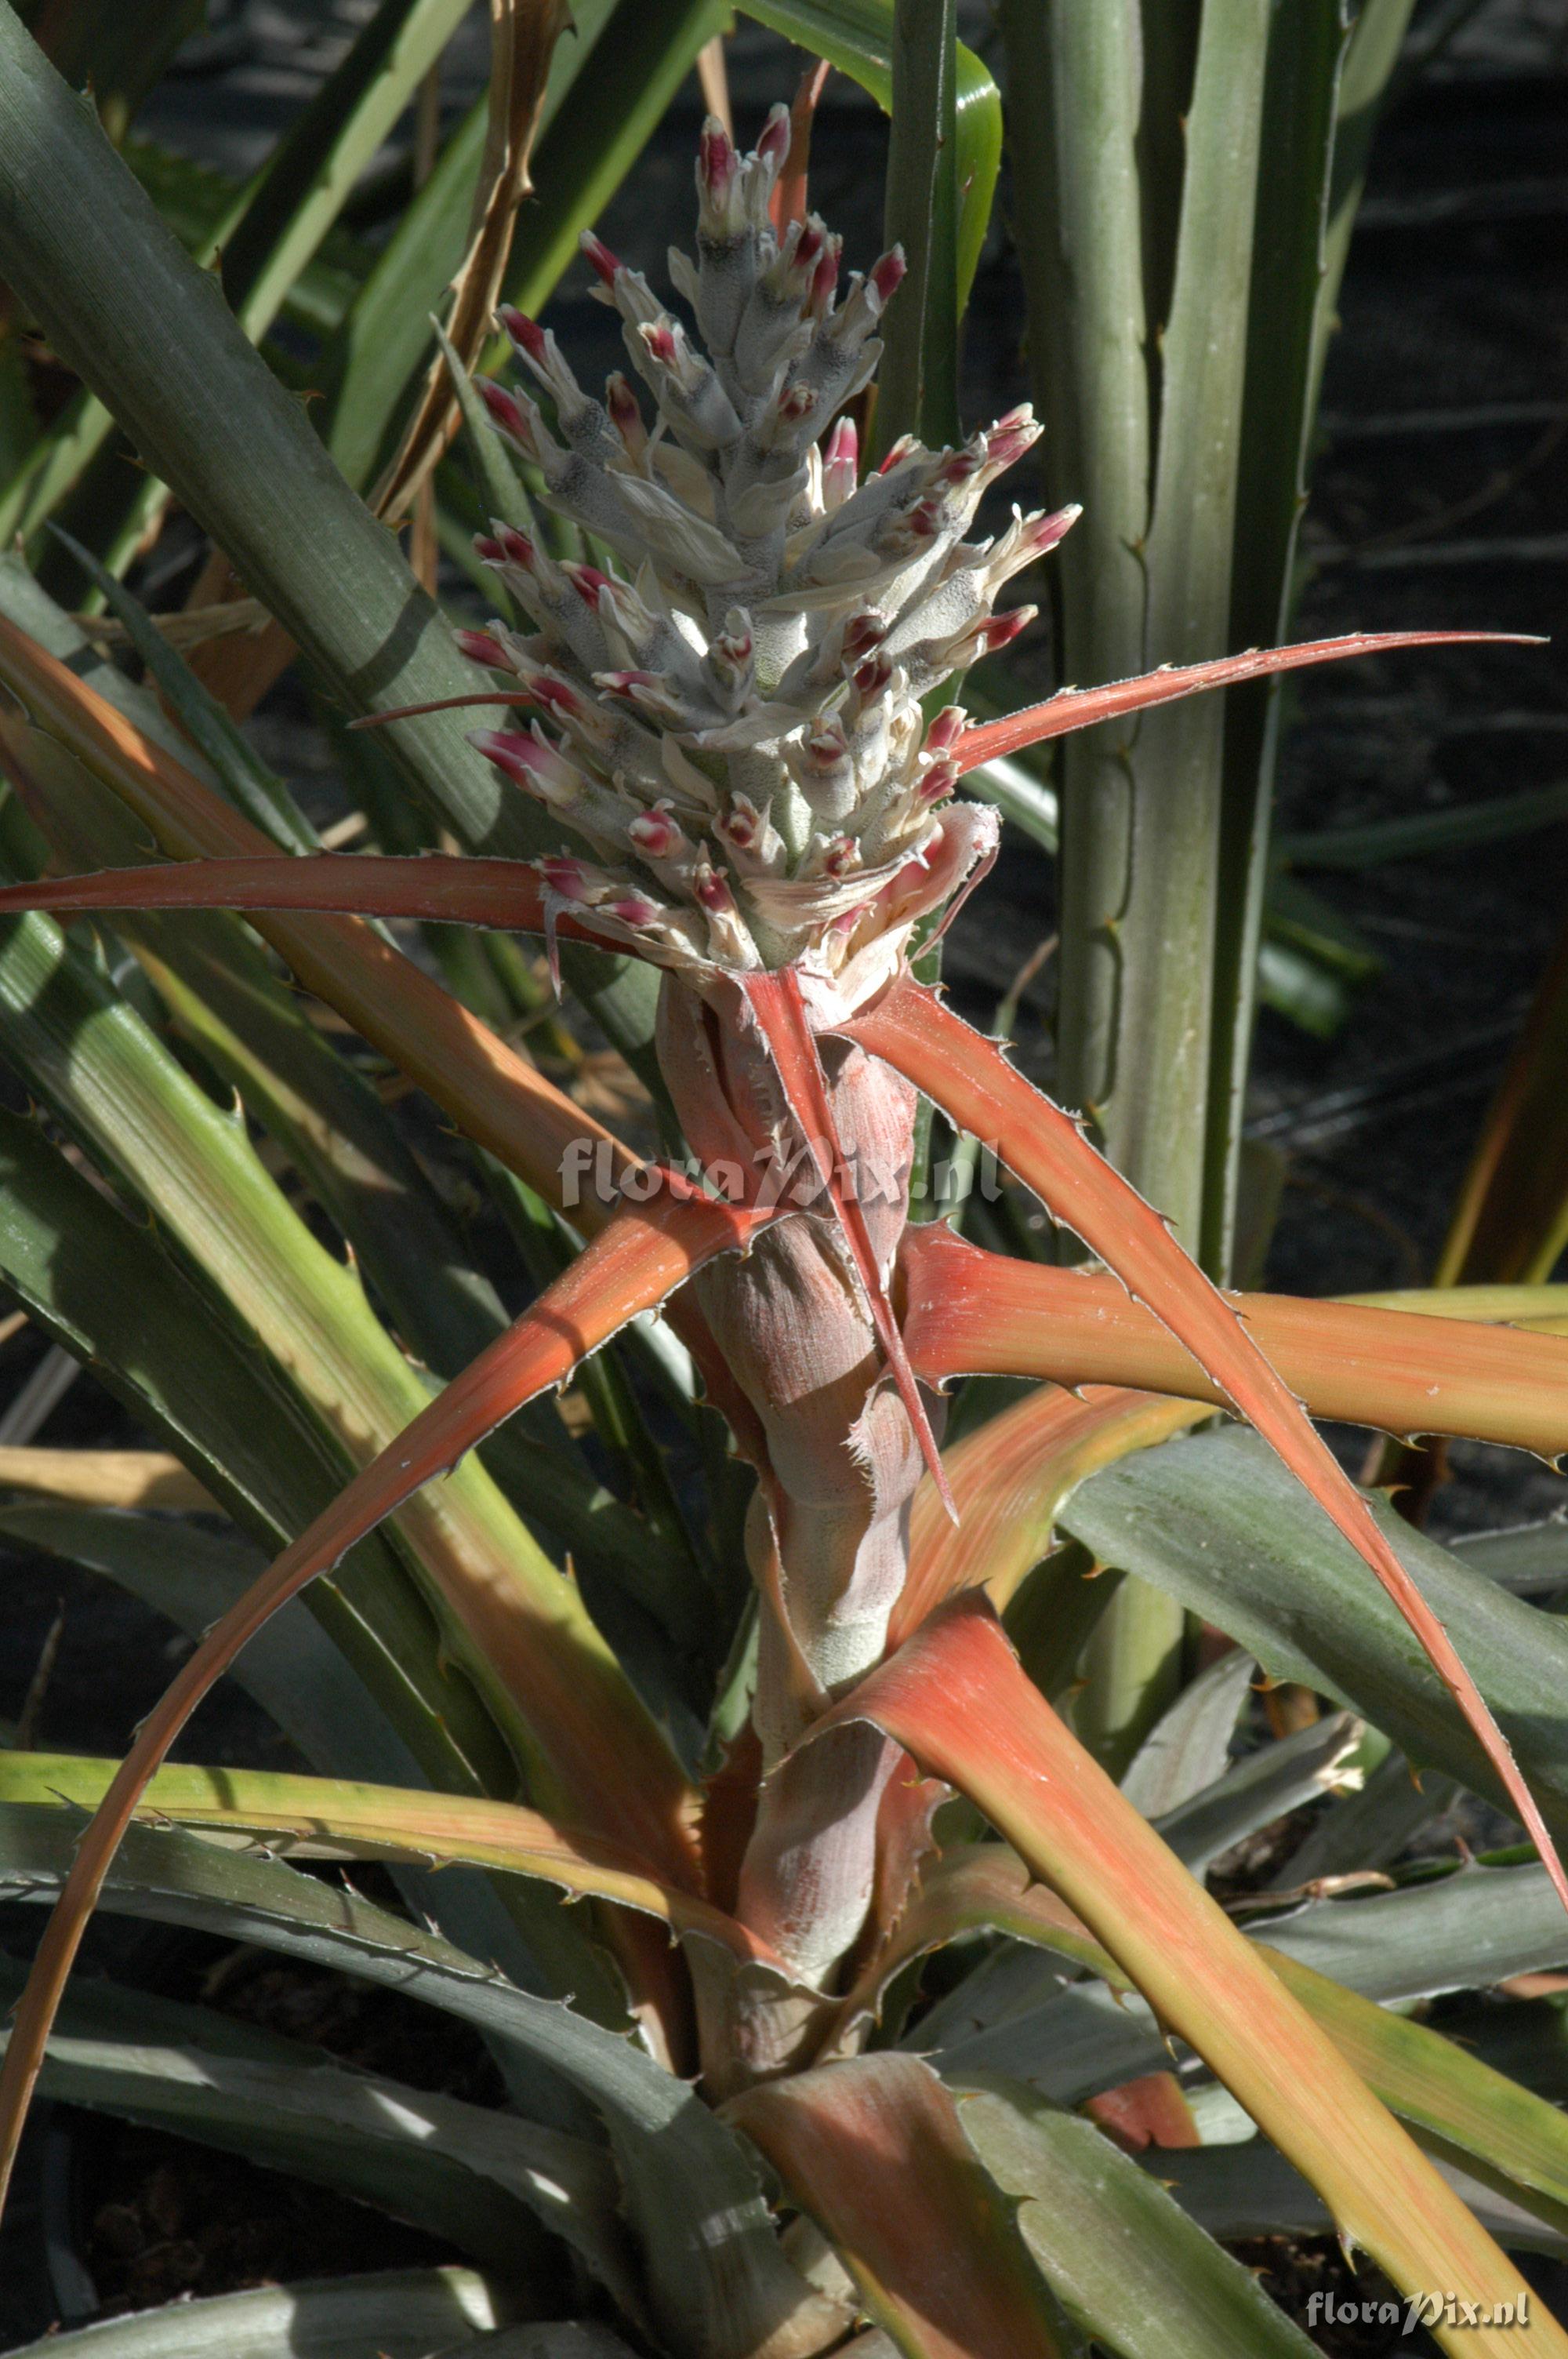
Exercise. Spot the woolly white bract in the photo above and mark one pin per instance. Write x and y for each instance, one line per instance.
(735, 719)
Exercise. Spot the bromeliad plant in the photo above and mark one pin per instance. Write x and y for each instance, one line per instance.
(727, 722)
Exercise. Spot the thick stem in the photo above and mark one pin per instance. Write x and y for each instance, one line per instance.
(831, 1556)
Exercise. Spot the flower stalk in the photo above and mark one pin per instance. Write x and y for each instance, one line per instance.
(724, 741)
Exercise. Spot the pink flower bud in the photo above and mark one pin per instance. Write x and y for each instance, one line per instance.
(716, 162)
(625, 414)
(517, 547)
(899, 451)
(524, 332)
(1001, 630)
(713, 892)
(841, 857)
(557, 696)
(938, 783)
(888, 273)
(1042, 531)
(655, 834)
(587, 582)
(865, 632)
(871, 677)
(606, 264)
(479, 648)
(529, 757)
(842, 448)
(636, 910)
(659, 336)
(512, 750)
(507, 410)
(741, 823)
(946, 729)
(774, 145)
(731, 651)
(825, 279)
(567, 877)
(1010, 437)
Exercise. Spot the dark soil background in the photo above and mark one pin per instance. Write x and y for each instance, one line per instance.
(1440, 496)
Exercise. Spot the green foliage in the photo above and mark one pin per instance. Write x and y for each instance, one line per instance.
(218, 1196)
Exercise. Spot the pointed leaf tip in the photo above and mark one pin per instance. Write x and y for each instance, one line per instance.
(912, 1030)
(1082, 708)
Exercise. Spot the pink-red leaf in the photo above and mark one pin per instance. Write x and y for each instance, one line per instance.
(957, 1699)
(639, 1258)
(1009, 1478)
(873, 2151)
(971, 1079)
(441, 885)
(496, 1096)
(1401, 1372)
(1081, 708)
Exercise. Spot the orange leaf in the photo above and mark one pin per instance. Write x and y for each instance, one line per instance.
(454, 890)
(1081, 708)
(957, 1699)
(632, 1791)
(1150, 2111)
(493, 1095)
(1396, 1370)
(788, 203)
(971, 1079)
(873, 2151)
(1513, 1208)
(1009, 1478)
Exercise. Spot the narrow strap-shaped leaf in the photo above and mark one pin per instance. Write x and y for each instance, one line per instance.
(1010, 1477)
(872, 2150)
(1446, 2094)
(633, 1264)
(453, 2166)
(105, 1478)
(1013, 1475)
(1081, 708)
(1470, 2110)
(403, 2313)
(718, 2283)
(1218, 1522)
(445, 886)
(340, 1818)
(1126, 2263)
(969, 1310)
(776, 1002)
(495, 1095)
(957, 1697)
(1512, 1214)
(972, 1081)
(523, 34)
